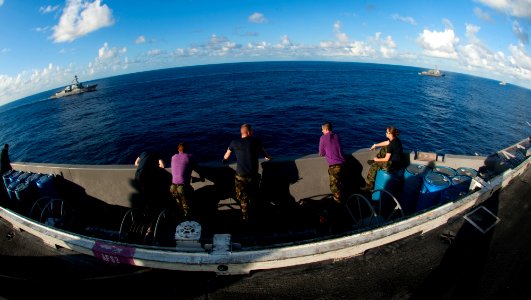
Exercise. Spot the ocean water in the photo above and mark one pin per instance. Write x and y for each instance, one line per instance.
(285, 102)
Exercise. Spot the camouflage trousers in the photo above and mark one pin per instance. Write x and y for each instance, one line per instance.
(182, 194)
(335, 174)
(371, 176)
(246, 190)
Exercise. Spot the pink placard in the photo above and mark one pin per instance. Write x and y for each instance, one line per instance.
(114, 254)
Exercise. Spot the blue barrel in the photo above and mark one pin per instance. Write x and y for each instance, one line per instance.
(11, 190)
(32, 179)
(460, 187)
(433, 185)
(23, 177)
(389, 181)
(7, 176)
(461, 183)
(467, 171)
(46, 186)
(10, 177)
(413, 176)
(449, 172)
(24, 191)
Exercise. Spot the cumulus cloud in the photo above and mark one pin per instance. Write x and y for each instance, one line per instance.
(285, 41)
(520, 33)
(154, 52)
(477, 57)
(438, 43)
(387, 46)
(483, 15)
(340, 36)
(105, 52)
(257, 18)
(140, 40)
(109, 59)
(408, 20)
(81, 17)
(447, 23)
(48, 9)
(515, 8)
(33, 81)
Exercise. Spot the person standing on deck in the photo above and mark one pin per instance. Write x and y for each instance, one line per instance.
(330, 147)
(247, 149)
(182, 165)
(389, 157)
(5, 162)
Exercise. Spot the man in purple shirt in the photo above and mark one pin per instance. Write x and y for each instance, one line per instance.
(182, 165)
(330, 147)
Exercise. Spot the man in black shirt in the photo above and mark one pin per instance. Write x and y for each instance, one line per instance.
(247, 149)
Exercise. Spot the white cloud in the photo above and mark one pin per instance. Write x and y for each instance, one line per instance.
(4, 50)
(483, 15)
(447, 23)
(81, 17)
(48, 9)
(520, 32)
(285, 41)
(387, 46)
(33, 81)
(105, 53)
(478, 58)
(408, 20)
(140, 40)
(515, 8)
(154, 52)
(42, 29)
(257, 18)
(438, 43)
(340, 36)
(1, 2)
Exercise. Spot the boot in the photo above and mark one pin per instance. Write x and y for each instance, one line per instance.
(369, 186)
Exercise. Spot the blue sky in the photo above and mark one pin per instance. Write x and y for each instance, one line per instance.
(43, 44)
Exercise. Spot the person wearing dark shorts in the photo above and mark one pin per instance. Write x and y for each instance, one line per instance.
(330, 148)
(389, 157)
(182, 165)
(247, 150)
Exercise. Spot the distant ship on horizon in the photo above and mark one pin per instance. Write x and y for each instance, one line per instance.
(73, 89)
(432, 72)
(503, 82)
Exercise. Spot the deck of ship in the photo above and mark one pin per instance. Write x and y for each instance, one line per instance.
(433, 265)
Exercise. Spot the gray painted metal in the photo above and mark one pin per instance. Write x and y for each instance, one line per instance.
(111, 184)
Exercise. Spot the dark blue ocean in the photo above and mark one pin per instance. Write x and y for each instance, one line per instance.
(286, 102)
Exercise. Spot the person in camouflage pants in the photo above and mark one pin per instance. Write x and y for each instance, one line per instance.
(247, 149)
(375, 166)
(246, 190)
(330, 148)
(182, 194)
(389, 158)
(335, 174)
